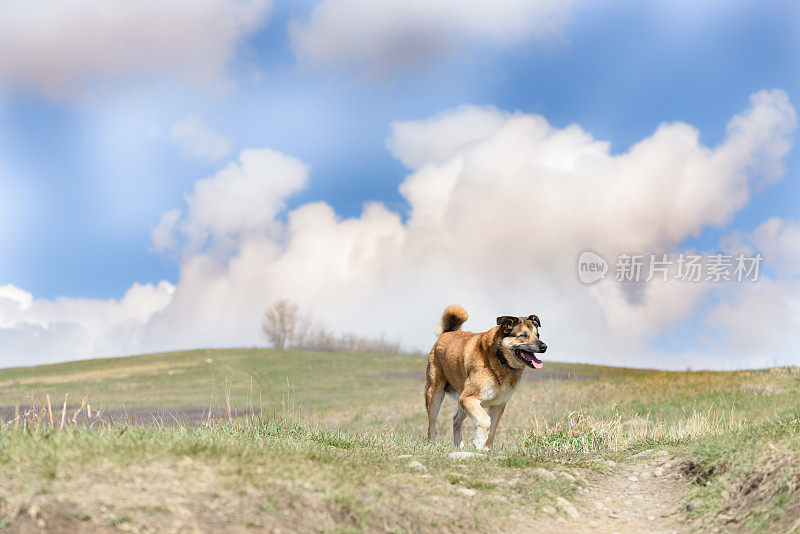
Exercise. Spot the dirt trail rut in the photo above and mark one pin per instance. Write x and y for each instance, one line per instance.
(644, 496)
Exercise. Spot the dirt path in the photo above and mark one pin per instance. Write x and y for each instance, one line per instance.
(641, 497)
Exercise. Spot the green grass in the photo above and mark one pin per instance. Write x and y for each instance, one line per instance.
(325, 450)
(343, 478)
(749, 478)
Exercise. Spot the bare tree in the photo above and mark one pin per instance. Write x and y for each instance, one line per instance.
(281, 323)
(287, 328)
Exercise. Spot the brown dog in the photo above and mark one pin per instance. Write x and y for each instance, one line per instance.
(481, 370)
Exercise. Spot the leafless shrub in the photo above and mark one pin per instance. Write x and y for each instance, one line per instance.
(287, 328)
(280, 324)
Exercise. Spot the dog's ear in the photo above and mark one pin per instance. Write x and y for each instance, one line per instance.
(506, 322)
(535, 321)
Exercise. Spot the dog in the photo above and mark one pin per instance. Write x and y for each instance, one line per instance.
(481, 370)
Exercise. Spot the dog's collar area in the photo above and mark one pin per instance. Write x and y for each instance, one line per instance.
(503, 359)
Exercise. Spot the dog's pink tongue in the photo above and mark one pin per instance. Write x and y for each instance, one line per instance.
(537, 365)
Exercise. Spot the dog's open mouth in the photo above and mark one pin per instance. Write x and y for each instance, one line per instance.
(528, 358)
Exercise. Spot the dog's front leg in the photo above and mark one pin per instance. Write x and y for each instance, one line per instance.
(495, 413)
(472, 405)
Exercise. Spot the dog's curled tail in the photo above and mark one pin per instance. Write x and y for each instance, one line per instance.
(452, 319)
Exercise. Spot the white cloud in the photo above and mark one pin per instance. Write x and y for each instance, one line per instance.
(12, 301)
(197, 141)
(779, 242)
(163, 235)
(58, 48)
(39, 330)
(760, 322)
(434, 140)
(757, 325)
(500, 205)
(378, 36)
(243, 198)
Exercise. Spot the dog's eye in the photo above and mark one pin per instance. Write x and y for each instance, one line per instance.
(523, 335)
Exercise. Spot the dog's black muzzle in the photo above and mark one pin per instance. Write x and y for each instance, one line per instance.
(526, 353)
(535, 347)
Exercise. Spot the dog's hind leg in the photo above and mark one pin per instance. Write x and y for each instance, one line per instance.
(458, 420)
(434, 395)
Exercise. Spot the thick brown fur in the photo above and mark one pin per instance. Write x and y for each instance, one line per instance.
(480, 369)
(452, 319)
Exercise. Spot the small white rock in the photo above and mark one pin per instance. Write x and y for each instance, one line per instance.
(404, 456)
(633, 478)
(544, 473)
(568, 507)
(567, 476)
(548, 509)
(644, 453)
(416, 465)
(458, 455)
(644, 475)
(658, 471)
(468, 492)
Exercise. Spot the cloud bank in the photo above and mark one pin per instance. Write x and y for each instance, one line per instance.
(764, 318)
(499, 207)
(58, 48)
(376, 37)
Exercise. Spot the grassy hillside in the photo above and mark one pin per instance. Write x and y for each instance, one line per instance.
(350, 388)
(329, 449)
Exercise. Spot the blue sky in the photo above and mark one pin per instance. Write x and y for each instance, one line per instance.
(88, 175)
(94, 179)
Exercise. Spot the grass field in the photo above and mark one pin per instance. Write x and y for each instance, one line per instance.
(339, 446)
